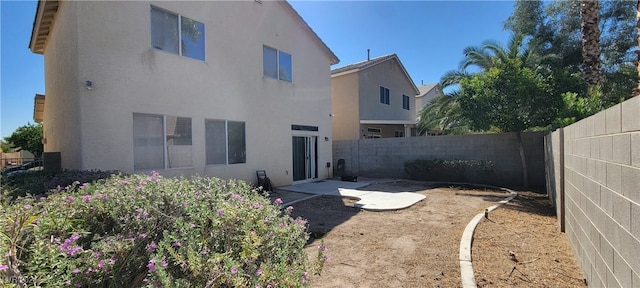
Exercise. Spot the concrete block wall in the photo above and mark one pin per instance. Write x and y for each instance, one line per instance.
(600, 201)
(386, 157)
(554, 171)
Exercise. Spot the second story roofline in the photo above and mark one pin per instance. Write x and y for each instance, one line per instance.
(424, 89)
(305, 25)
(363, 65)
(47, 9)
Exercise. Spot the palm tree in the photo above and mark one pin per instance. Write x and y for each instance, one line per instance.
(589, 10)
(443, 115)
(445, 112)
(490, 53)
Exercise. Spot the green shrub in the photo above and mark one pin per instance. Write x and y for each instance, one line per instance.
(133, 231)
(449, 170)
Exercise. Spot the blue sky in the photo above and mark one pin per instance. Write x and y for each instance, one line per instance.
(428, 36)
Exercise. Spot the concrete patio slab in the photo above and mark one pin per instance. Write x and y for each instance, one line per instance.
(324, 187)
(382, 201)
(368, 200)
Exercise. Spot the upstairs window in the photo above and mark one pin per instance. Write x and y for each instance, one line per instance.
(405, 102)
(384, 95)
(277, 64)
(177, 34)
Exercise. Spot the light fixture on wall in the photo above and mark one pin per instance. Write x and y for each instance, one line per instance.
(88, 84)
(331, 115)
(326, 138)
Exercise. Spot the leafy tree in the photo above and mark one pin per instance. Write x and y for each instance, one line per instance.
(5, 146)
(512, 90)
(618, 83)
(28, 137)
(576, 108)
(528, 19)
(445, 114)
(618, 33)
(510, 97)
(555, 26)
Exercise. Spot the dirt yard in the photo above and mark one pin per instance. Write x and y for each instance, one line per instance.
(419, 246)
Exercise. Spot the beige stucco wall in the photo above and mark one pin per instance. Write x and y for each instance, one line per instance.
(113, 50)
(389, 75)
(344, 103)
(62, 120)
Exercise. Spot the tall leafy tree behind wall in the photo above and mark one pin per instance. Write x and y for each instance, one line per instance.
(552, 31)
(27, 137)
(511, 93)
(557, 27)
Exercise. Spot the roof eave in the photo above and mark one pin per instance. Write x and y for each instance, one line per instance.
(427, 91)
(345, 72)
(406, 74)
(332, 56)
(38, 108)
(366, 66)
(42, 23)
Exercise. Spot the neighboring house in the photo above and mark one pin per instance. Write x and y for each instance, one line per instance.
(427, 93)
(373, 99)
(216, 88)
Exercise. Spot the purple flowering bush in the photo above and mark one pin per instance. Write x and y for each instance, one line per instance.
(146, 230)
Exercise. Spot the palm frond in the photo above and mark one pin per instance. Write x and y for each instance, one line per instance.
(476, 56)
(443, 114)
(453, 77)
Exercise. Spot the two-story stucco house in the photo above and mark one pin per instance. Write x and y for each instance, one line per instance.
(217, 88)
(373, 99)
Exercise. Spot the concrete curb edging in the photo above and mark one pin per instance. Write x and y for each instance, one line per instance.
(466, 267)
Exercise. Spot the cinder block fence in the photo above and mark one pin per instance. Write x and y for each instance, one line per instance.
(593, 177)
(386, 157)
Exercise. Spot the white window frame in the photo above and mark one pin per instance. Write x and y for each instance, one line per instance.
(164, 143)
(204, 36)
(278, 51)
(226, 142)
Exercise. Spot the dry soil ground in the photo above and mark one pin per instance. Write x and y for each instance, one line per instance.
(418, 246)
